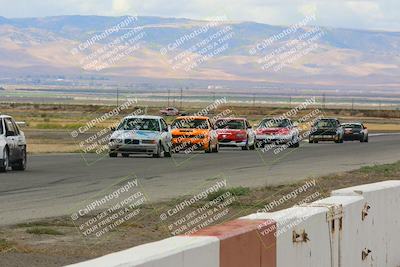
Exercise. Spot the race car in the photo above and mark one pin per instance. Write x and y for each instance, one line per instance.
(327, 129)
(170, 111)
(12, 145)
(191, 133)
(277, 131)
(235, 132)
(355, 131)
(141, 134)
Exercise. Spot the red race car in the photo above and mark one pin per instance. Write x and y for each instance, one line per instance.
(235, 132)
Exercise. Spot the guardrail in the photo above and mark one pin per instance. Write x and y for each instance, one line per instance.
(356, 226)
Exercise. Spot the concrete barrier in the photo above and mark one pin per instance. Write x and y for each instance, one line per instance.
(357, 226)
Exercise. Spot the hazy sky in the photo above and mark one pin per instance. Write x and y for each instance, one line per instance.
(377, 14)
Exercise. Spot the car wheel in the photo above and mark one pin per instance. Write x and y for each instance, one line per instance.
(168, 153)
(253, 146)
(159, 152)
(209, 150)
(366, 140)
(21, 164)
(297, 144)
(216, 149)
(113, 154)
(125, 155)
(246, 147)
(6, 162)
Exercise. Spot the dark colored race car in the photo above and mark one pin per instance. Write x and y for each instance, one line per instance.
(355, 131)
(326, 130)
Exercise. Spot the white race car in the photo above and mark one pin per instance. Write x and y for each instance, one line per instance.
(12, 145)
(141, 134)
(277, 131)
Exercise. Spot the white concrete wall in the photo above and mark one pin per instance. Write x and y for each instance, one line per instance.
(380, 230)
(334, 226)
(313, 221)
(171, 252)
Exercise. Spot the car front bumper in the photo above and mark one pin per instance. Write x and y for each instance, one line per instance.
(324, 137)
(180, 144)
(224, 143)
(274, 139)
(134, 148)
(351, 137)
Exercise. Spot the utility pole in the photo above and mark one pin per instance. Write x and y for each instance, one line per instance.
(181, 97)
(352, 104)
(117, 96)
(290, 101)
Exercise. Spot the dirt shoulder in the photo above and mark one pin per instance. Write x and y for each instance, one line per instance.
(58, 241)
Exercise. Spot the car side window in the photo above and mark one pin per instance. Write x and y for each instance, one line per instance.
(164, 125)
(16, 128)
(1, 126)
(10, 127)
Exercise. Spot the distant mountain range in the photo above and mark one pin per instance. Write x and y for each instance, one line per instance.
(157, 48)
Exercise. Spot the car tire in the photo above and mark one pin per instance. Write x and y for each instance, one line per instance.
(113, 154)
(216, 149)
(253, 146)
(168, 153)
(6, 161)
(159, 152)
(259, 144)
(209, 150)
(366, 140)
(297, 144)
(20, 165)
(246, 147)
(125, 155)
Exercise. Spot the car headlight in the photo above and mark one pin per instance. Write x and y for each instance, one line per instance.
(149, 141)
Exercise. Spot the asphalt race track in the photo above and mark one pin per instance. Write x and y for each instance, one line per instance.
(53, 184)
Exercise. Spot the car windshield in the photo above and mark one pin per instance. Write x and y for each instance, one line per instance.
(326, 124)
(230, 124)
(353, 126)
(140, 124)
(273, 123)
(190, 124)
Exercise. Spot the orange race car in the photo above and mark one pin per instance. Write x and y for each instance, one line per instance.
(190, 133)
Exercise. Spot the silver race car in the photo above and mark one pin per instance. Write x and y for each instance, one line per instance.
(141, 134)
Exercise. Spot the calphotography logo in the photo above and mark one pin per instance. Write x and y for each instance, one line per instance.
(109, 210)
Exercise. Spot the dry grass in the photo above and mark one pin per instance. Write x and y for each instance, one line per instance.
(149, 228)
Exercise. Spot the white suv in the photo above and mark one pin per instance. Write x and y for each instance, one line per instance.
(12, 145)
